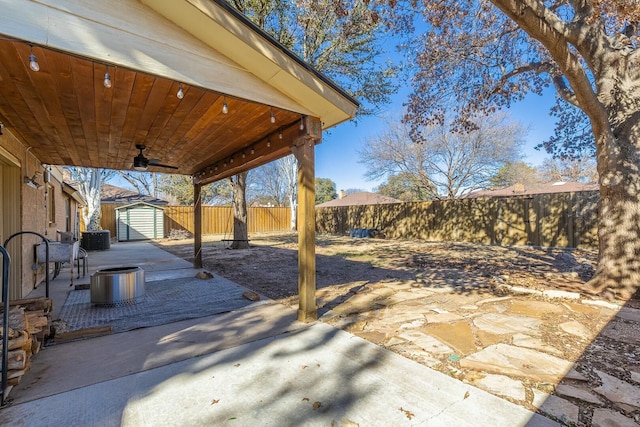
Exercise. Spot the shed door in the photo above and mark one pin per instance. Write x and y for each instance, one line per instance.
(140, 223)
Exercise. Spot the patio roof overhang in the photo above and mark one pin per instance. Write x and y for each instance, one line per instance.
(150, 48)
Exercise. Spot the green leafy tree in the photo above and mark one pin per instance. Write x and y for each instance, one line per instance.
(478, 56)
(325, 190)
(340, 39)
(405, 187)
(179, 189)
(516, 173)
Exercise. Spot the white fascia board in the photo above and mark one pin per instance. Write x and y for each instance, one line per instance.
(218, 28)
(129, 34)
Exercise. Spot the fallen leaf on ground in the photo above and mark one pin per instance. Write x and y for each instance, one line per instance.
(316, 405)
(408, 414)
(214, 401)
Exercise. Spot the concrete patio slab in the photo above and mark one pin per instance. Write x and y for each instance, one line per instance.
(255, 366)
(316, 375)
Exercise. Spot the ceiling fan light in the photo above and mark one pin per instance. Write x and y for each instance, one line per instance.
(139, 164)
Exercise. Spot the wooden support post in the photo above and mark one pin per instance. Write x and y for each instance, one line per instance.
(197, 226)
(307, 309)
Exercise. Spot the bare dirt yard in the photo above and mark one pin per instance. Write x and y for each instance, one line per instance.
(518, 322)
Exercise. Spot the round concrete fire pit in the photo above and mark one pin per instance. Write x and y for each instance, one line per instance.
(116, 286)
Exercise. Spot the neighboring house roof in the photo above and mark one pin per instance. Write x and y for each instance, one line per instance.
(526, 190)
(71, 189)
(361, 198)
(122, 196)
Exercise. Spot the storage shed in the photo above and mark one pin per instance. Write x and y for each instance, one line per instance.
(139, 221)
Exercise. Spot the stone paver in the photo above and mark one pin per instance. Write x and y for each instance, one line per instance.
(557, 407)
(502, 386)
(554, 293)
(618, 391)
(442, 317)
(427, 342)
(577, 329)
(512, 360)
(630, 314)
(607, 418)
(398, 316)
(624, 331)
(534, 308)
(578, 393)
(493, 342)
(527, 341)
(457, 335)
(500, 324)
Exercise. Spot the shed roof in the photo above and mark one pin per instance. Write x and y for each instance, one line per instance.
(124, 207)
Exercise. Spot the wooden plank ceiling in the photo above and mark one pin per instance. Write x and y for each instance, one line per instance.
(68, 117)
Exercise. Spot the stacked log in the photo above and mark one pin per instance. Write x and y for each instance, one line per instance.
(29, 326)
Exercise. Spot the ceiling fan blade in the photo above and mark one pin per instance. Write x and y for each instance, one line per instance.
(160, 165)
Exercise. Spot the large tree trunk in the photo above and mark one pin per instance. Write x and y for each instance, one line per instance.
(91, 190)
(240, 231)
(293, 206)
(618, 272)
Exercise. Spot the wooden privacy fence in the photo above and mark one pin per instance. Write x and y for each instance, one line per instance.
(215, 219)
(550, 220)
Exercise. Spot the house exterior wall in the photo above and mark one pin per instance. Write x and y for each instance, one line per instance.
(25, 208)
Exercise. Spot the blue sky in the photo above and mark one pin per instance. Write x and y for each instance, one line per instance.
(337, 156)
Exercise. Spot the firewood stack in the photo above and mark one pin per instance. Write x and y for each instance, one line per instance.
(29, 325)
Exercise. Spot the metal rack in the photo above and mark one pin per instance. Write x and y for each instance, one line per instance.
(6, 262)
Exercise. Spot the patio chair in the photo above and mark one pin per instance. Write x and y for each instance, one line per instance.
(84, 256)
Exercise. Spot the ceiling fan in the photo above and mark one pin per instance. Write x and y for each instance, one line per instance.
(141, 163)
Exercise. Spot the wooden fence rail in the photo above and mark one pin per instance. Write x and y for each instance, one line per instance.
(550, 220)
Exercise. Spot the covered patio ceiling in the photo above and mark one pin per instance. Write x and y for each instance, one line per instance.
(151, 49)
(68, 117)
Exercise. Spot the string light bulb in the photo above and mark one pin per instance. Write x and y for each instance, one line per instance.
(301, 123)
(225, 107)
(273, 117)
(280, 134)
(107, 79)
(180, 93)
(33, 61)
(268, 144)
(252, 151)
